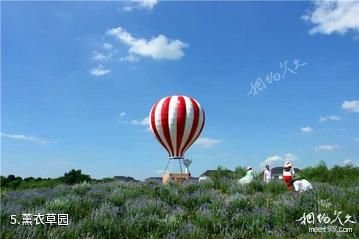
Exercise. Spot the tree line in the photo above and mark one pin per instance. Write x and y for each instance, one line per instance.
(347, 175)
(15, 182)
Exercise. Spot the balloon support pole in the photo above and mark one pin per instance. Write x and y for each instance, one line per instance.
(175, 177)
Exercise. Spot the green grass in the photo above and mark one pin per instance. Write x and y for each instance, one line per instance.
(221, 209)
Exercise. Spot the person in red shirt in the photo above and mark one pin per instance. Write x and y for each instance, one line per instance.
(288, 174)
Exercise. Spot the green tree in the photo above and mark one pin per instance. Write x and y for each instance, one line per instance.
(75, 176)
(29, 179)
(3, 181)
(341, 176)
(15, 183)
(11, 177)
(240, 172)
(318, 173)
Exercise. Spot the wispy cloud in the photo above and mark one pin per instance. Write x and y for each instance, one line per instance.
(322, 148)
(98, 56)
(143, 122)
(329, 117)
(306, 130)
(125, 119)
(129, 58)
(140, 4)
(349, 162)
(99, 71)
(26, 138)
(333, 17)
(276, 159)
(351, 106)
(206, 142)
(158, 48)
(107, 46)
(271, 160)
(104, 55)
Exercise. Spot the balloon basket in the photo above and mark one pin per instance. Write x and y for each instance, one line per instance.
(175, 177)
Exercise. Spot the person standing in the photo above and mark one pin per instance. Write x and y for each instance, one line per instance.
(267, 174)
(288, 174)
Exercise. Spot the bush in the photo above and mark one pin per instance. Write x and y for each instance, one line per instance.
(75, 176)
(276, 187)
(340, 176)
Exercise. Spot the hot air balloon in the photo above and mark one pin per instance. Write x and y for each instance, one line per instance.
(176, 122)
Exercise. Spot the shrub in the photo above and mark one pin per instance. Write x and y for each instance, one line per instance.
(276, 187)
(75, 176)
(340, 176)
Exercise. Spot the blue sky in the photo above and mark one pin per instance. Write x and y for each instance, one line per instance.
(78, 80)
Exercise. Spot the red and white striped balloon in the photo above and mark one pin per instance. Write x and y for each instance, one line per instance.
(176, 121)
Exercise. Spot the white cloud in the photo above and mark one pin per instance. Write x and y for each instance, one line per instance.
(108, 55)
(333, 17)
(329, 117)
(128, 8)
(290, 157)
(157, 48)
(206, 142)
(272, 159)
(351, 106)
(134, 122)
(147, 4)
(143, 122)
(25, 138)
(99, 56)
(124, 119)
(276, 159)
(99, 71)
(349, 162)
(306, 130)
(322, 148)
(140, 4)
(107, 46)
(130, 58)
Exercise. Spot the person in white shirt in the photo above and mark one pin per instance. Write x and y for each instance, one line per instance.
(267, 175)
(302, 185)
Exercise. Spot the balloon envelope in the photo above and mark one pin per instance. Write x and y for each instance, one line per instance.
(177, 121)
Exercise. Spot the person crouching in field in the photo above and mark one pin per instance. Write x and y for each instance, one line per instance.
(288, 174)
(249, 176)
(267, 175)
(301, 185)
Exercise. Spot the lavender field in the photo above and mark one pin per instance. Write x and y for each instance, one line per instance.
(193, 210)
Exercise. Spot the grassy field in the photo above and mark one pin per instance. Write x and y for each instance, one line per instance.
(213, 209)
